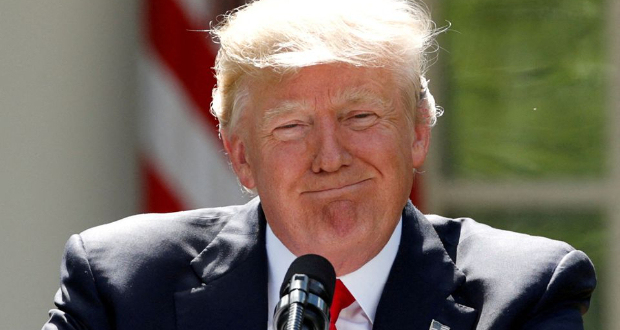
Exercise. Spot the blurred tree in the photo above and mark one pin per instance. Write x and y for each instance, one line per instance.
(525, 96)
(526, 88)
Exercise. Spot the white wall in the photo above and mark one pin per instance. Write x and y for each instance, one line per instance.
(67, 141)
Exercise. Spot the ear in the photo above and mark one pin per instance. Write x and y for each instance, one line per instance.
(235, 148)
(421, 141)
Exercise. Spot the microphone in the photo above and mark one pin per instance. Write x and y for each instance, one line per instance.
(305, 295)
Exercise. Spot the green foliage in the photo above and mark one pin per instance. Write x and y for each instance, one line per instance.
(525, 88)
(524, 91)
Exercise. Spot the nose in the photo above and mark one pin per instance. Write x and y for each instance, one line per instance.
(331, 154)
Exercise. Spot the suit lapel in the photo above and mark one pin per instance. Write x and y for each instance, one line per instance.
(421, 282)
(233, 269)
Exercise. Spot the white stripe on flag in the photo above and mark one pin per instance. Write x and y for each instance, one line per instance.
(199, 11)
(180, 144)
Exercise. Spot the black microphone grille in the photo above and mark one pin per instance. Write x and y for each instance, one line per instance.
(315, 267)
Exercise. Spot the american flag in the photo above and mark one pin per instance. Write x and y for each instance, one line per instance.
(182, 159)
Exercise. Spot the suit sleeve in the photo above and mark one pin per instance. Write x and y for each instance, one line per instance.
(79, 305)
(567, 296)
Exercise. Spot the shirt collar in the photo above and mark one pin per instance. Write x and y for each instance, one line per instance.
(280, 258)
(375, 271)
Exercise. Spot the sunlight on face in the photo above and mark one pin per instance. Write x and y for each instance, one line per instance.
(331, 153)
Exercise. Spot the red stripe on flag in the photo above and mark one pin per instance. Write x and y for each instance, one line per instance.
(184, 50)
(158, 197)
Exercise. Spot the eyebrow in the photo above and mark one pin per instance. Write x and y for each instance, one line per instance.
(362, 95)
(352, 95)
(283, 108)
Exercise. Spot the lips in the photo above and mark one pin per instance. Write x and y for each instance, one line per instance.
(336, 187)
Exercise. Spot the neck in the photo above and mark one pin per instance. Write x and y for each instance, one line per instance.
(346, 256)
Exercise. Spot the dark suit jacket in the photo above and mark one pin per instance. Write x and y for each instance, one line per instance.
(207, 269)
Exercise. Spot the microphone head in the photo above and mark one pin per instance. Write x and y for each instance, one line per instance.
(315, 267)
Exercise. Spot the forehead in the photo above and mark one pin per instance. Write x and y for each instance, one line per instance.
(330, 84)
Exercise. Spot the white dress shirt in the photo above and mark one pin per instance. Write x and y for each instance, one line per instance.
(361, 314)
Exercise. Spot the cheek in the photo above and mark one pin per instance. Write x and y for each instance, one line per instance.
(281, 165)
(384, 148)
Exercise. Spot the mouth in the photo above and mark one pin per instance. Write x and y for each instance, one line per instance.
(337, 190)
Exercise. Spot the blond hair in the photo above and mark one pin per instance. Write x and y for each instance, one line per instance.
(282, 36)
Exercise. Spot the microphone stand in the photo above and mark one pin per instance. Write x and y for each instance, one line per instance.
(302, 308)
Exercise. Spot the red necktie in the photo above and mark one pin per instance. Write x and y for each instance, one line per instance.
(342, 300)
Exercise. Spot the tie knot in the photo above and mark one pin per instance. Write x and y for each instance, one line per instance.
(342, 299)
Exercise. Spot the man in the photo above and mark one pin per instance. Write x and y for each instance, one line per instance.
(325, 115)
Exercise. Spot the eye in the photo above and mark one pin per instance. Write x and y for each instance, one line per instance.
(287, 126)
(361, 120)
(290, 131)
(362, 115)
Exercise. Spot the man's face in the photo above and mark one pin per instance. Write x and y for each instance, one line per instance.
(331, 153)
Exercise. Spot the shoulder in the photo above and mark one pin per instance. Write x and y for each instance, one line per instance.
(484, 252)
(160, 228)
(466, 238)
(134, 266)
(149, 232)
(147, 245)
(516, 275)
